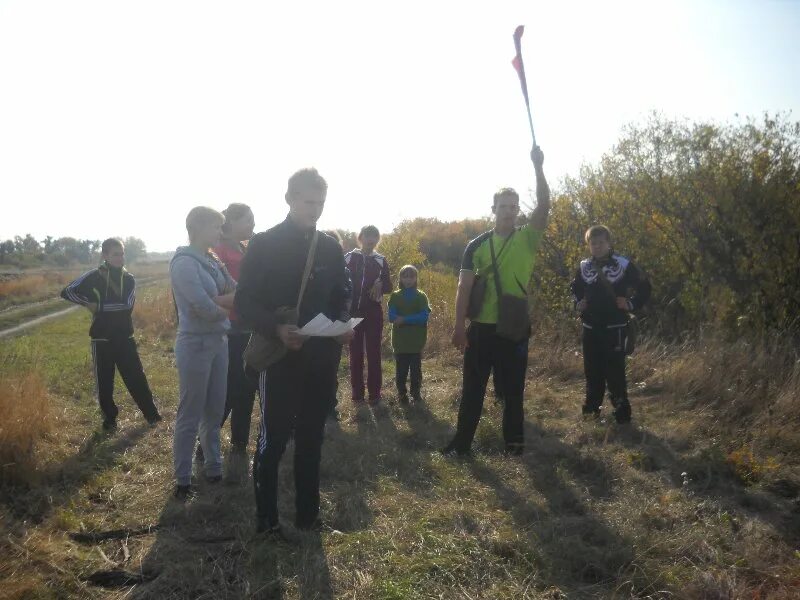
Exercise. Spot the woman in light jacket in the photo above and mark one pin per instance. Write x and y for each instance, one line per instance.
(203, 292)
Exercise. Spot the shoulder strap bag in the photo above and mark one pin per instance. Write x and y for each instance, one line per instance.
(513, 318)
(478, 291)
(263, 351)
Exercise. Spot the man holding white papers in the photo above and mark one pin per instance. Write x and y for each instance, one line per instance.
(295, 391)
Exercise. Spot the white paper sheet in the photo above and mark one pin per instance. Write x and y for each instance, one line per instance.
(322, 326)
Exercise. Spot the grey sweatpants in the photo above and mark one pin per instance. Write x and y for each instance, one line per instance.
(202, 361)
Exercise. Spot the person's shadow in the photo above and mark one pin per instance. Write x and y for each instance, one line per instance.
(708, 474)
(101, 451)
(573, 548)
(208, 547)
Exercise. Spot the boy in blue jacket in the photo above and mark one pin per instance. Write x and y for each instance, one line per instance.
(408, 314)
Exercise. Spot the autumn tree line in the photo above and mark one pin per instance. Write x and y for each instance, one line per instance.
(710, 211)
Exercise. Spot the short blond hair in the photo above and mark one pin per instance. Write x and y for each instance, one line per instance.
(308, 177)
(202, 215)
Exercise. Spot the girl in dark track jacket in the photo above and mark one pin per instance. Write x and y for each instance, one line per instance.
(109, 293)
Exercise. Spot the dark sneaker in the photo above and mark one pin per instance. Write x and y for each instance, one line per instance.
(155, 419)
(450, 451)
(514, 449)
(271, 532)
(183, 493)
(623, 414)
(213, 478)
(317, 525)
(402, 398)
(590, 412)
(417, 398)
(110, 425)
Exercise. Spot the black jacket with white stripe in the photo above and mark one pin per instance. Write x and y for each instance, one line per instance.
(114, 292)
(625, 280)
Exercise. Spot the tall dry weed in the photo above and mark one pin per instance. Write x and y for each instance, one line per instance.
(154, 312)
(33, 286)
(24, 420)
(440, 287)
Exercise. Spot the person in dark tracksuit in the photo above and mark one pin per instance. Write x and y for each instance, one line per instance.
(607, 286)
(484, 350)
(109, 293)
(241, 392)
(295, 391)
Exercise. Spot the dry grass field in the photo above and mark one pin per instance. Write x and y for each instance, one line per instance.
(699, 498)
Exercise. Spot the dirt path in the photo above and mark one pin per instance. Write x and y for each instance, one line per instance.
(38, 320)
(19, 328)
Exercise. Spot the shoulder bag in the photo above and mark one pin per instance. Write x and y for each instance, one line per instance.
(513, 319)
(263, 351)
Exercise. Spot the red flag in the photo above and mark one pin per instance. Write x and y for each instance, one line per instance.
(520, 67)
(518, 64)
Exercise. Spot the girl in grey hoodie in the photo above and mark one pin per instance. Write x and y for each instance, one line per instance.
(203, 292)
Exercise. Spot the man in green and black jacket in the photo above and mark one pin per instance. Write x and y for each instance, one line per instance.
(109, 293)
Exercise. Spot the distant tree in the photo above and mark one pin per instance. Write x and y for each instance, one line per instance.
(135, 249)
(6, 249)
(27, 245)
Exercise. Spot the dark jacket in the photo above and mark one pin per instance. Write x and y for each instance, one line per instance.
(271, 274)
(364, 272)
(114, 292)
(626, 281)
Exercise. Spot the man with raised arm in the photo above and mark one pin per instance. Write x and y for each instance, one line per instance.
(510, 252)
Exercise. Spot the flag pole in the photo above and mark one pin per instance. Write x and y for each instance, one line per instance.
(519, 66)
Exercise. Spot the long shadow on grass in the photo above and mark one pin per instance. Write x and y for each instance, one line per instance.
(574, 549)
(708, 475)
(56, 485)
(207, 548)
(354, 463)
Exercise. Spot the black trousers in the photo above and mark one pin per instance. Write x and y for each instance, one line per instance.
(405, 363)
(295, 397)
(487, 351)
(334, 399)
(120, 354)
(604, 367)
(241, 392)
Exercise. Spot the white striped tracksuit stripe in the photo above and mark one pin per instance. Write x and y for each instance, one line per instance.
(96, 377)
(262, 392)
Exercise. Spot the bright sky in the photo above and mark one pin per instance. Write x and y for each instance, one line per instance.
(116, 118)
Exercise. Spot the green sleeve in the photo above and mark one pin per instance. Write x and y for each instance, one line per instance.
(533, 237)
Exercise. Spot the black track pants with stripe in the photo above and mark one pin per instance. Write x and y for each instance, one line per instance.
(120, 354)
(295, 397)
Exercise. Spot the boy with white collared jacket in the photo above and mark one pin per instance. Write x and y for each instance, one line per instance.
(606, 288)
